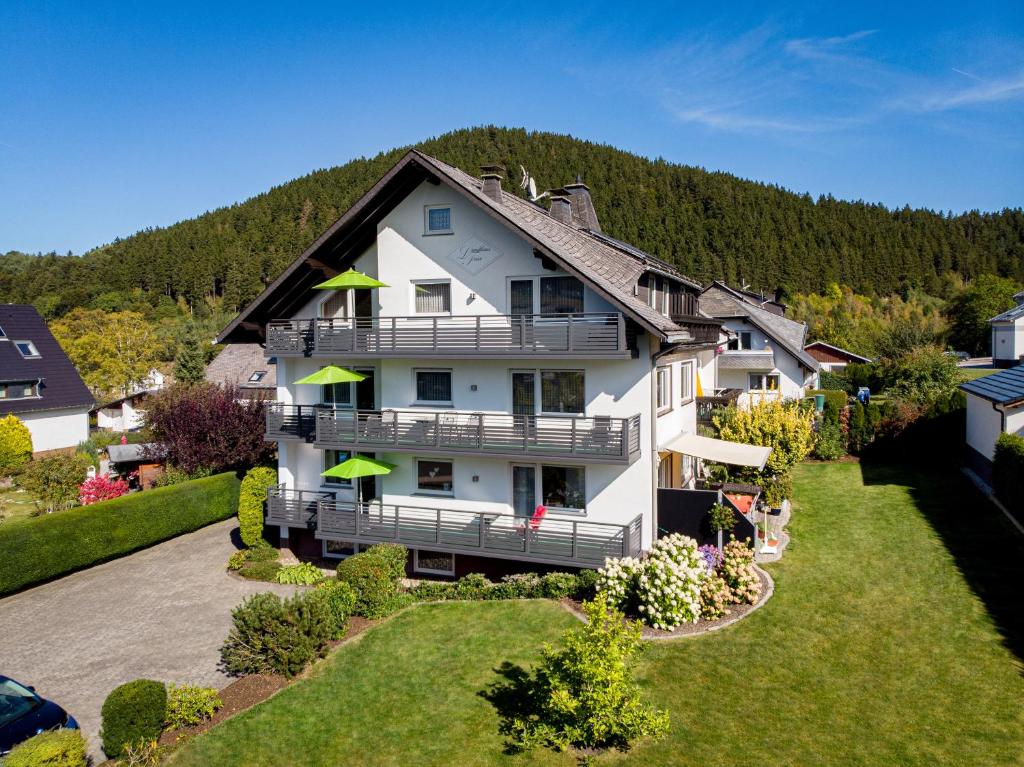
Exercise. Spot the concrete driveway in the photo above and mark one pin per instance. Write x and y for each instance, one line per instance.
(161, 614)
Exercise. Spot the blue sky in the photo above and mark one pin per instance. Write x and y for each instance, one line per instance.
(120, 117)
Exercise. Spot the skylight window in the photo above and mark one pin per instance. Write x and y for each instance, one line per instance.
(27, 349)
(3, 335)
(257, 376)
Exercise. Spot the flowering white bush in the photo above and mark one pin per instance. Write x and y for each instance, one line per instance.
(739, 573)
(664, 586)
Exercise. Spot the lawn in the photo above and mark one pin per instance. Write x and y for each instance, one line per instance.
(969, 374)
(877, 649)
(16, 505)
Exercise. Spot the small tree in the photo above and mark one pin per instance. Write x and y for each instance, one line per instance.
(101, 488)
(583, 693)
(190, 361)
(785, 427)
(15, 442)
(251, 496)
(205, 426)
(55, 480)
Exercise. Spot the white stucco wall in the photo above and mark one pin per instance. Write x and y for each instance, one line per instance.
(1008, 340)
(794, 379)
(56, 429)
(985, 424)
(617, 388)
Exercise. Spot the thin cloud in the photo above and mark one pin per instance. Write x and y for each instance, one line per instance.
(987, 92)
(824, 48)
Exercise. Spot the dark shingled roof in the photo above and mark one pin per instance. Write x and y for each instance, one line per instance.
(1002, 388)
(60, 387)
(236, 364)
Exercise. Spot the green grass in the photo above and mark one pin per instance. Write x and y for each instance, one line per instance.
(875, 650)
(969, 374)
(16, 505)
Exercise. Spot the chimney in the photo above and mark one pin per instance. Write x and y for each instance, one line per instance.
(561, 208)
(491, 174)
(582, 206)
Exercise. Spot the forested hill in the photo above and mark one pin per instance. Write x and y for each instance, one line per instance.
(708, 224)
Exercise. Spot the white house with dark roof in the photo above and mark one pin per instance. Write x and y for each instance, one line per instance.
(38, 383)
(518, 358)
(764, 357)
(995, 404)
(1008, 335)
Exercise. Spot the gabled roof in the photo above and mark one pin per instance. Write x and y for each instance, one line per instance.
(60, 385)
(1011, 315)
(722, 302)
(609, 267)
(237, 363)
(1002, 388)
(853, 357)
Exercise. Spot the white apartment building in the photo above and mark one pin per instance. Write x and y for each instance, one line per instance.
(518, 358)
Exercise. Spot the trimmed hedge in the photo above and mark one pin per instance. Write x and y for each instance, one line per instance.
(1008, 471)
(475, 587)
(251, 500)
(134, 712)
(56, 748)
(56, 544)
(835, 401)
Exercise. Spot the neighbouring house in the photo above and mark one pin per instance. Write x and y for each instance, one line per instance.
(39, 384)
(831, 357)
(764, 357)
(134, 464)
(127, 412)
(995, 404)
(528, 376)
(247, 367)
(1008, 335)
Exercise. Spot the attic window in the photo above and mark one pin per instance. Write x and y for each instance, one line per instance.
(27, 349)
(257, 376)
(437, 219)
(3, 335)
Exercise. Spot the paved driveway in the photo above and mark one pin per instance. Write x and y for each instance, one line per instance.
(161, 614)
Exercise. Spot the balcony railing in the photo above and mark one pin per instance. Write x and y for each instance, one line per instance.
(290, 421)
(708, 404)
(597, 439)
(552, 540)
(293, 508)
(590, 335)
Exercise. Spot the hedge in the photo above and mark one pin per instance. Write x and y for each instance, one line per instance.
(835, 401)
(251, 501)
(56, 544)
(1008, 471)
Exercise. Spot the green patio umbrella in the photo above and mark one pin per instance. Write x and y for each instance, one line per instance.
(359, 466)
(332, 374)
(351, 280)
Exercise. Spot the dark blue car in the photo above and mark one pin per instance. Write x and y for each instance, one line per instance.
(24, 714)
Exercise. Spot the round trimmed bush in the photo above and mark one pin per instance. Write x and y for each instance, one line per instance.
(56, 748)
(251, 498)
(15, 442)
(132, 712)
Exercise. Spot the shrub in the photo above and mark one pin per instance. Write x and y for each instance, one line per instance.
(738, 572)
(271, 635)
(15, 442)
(374, 575)
(558, 585)
(586, 585)
(302, 574)
(172, 475)
(835, 401)
(144, 753)
(101, 488)
(132, 712)
(829, 444)
(668, 587)
(341, 601)
(237, 560)
(583, 693)
(56, 748)
(923, 375)
(189, 704)
(775, 490)
(1008, 471)
(474, 586)
(55, 480)
(715, 597)
(251, 499)
(261, 571)
(834, 380)
(783, 426)
(617, 582)
(37, 549)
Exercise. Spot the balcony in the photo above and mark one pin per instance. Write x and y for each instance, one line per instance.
(708, 404)
(552, 540)
(746, 359)
(565, 336)
(290, 421)
(564, 439)
(293, 508)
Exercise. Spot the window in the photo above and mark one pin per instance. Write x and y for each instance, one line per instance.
(27, 349)
(434, 477)
(686, 381)
(433, 297)
(561, 295)
(664, 384)
(339, 395)
(341, 549)
(433, 387)
(521, 296)
(331, 459)
(768, 382)
(437, 219)
(335, 307)
(258, 376)
(743, 341)
(434, 562)
(563, 487)
(3, 335)
(19, 390)
(561, 391)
